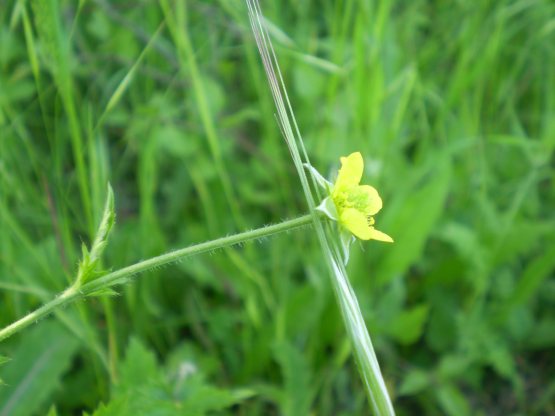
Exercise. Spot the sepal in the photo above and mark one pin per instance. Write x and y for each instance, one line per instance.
(328, 208)
(88, 266)
(320, 180)
(104, 292)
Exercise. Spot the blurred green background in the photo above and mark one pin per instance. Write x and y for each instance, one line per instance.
(451, 103)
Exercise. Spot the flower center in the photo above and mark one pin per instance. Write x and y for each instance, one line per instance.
(352, 197)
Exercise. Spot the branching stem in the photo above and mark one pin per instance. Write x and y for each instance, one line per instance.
(123, 275)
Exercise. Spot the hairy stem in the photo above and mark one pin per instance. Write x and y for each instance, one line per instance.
(123, 275)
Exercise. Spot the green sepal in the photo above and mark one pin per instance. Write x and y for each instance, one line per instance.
(89, 262)
(84, 251)
(320, 180)
(327, 206)
(104, 292)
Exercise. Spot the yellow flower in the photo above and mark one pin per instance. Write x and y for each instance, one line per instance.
(351, 204)
(356, 204)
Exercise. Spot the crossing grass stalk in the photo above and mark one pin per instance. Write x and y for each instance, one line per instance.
(329, 240)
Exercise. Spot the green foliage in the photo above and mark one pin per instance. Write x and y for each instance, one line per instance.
(407, 326)
(298, 393)
(452, 106)
(3, 360)
(34, 373)
(52, 412)
(145, 388)
(88, 266)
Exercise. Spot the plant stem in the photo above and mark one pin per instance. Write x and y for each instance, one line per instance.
(123, 275)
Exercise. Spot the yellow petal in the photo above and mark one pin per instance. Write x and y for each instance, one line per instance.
(350, 172)
(378, 235)
(373, 200)
(356, 222)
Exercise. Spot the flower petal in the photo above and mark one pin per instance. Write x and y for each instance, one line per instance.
(373, 200)
(378, 235)
(351, 171)
(356, 222)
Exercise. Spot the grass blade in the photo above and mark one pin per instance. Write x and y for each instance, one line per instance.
(358, 334)
(36, 368)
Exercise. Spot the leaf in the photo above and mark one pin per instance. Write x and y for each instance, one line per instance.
(115, 407)
(298, 392)
(535, 273)
(413, 221)
(138, 368)
(52, 411)
(54, 40)
(143, 388)
(128, 78)
(407, 327)
(415, 381)
(502, 361)
(303, 310)
(452, 401)
(542, 335)
(33, 375)
(208, 398)
(452, 366)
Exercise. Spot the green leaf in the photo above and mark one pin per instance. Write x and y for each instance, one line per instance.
(452, 366)
(54, 40)
(138, 368)
(415, 382)
(298, 392)
(129, 76)
(452, 401)
(535, 273)
(33, 375)
(115, 407)
(502, 361)
(208, 398)
(543, 334)
(52, 411)
(143, 388)
(413, 220)
(407, 326)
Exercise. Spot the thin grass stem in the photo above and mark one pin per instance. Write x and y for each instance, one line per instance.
(357, 332)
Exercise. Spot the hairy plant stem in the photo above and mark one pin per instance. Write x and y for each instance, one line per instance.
(77, 291)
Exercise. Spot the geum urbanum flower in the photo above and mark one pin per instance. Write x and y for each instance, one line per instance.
(351, 204)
